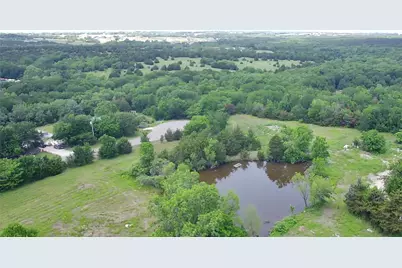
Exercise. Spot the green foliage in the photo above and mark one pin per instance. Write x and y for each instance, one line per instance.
(373, 141)
(303, 185)
(276, 149)
(190, 208)
(124, 146)
(371, 203)
(106, 108)
(398, 137)
(17, 138)
(144, 137)
(321, 190)
(320, 148)
(394, 182)
(83, 155)
(10, 174)
(319, 167)
(108, 147)
(244, 155)
(282, 227)
(17, 230)
(261, 155)
(147, 154)
(196, 124)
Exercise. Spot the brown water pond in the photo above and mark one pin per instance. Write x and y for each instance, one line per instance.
(264, 185)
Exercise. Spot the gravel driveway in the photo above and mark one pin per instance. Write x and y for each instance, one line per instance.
(154, 135)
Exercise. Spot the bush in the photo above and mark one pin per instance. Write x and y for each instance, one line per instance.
(108, 148)
(177, 134)
(260, 155)
(10, 174)
(154, 181)
(123, 146)
(144, 136)
(169, 135)
(83, 155)
(244, 155)
(372, 204)
(17, 230)
(283, 226)
(36, 168)
(394, 182)
(398, 137)
(373, 141)
(321, 190)
(320, 148)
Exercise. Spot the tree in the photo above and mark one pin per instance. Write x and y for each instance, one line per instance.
(320, 148)
(10, 174)
(321, 190)
(373, 141)
(398, 137)
(261, 155)
(276, 149)
(147, 154)
(108, 147)
(82, 155)
(144, 137)
(394, 182)
(303, 185)
(196, 124)
(106, 107)
(252, 222)
(17, 230)
(124, 146)
(169, 135)
(162, 138)
(355, 197)
(177, 134)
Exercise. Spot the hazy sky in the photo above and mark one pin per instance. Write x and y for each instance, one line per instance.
(201, 15)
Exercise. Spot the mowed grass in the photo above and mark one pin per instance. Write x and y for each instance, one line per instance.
(47, 128)
(344, 168)
(95, 200)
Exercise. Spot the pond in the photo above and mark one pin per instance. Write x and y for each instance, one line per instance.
(264, 185)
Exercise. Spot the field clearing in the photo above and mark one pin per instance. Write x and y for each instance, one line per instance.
(94, 200)
(246, 62)
(47, 128)
(344, 169)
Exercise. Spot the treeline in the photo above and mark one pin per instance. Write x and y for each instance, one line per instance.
(381, 208)
(354, 90)
(27, 169)
(17, 139)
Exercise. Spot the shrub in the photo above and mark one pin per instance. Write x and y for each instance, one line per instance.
(108, 148)
(373, 141)
(398, 137)
(83, 155)
(17, 230)
(123, 146)
(320, 148)
(261, 155)
(321, 190)
(10, 174)
(283, 226)
(154, 181)
(244, 155)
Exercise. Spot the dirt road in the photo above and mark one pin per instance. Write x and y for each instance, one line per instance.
(154, 135)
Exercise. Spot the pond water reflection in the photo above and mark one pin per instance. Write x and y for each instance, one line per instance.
(264, 185)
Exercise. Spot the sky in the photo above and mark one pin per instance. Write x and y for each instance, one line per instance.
(201, 15)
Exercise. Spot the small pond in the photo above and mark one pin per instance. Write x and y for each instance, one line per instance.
(264, 185)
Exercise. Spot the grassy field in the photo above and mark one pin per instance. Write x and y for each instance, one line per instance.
(241, 64)
(47, 128)
(345, 168)
(99, 199)
(94, 200)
